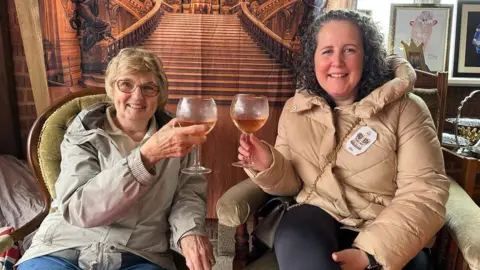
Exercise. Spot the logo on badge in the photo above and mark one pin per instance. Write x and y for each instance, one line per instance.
(361, 140)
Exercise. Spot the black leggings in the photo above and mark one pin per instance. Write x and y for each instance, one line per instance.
(307, 236)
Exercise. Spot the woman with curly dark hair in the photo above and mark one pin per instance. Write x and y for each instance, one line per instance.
(359, 153)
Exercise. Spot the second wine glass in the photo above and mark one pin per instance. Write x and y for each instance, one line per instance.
(249, 113)
(197, 111)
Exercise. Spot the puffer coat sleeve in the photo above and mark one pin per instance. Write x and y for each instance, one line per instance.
(417, 211)
(280, 179)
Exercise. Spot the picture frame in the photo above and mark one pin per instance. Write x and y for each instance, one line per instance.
(429, 24)
(466, 60)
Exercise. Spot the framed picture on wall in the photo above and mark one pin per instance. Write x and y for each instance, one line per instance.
(427, 24)
(466, 61)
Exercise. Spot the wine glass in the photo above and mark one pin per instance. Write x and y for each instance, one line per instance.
(197, 111)
(249, 113)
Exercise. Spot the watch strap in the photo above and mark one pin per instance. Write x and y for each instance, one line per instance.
(373, 264)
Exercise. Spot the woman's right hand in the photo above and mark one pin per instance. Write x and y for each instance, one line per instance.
(171, 141)
(258, 152)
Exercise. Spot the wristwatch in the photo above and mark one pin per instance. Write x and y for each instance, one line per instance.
(373, 264)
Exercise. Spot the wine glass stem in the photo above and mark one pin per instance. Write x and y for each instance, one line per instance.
(247, 140)
(196, 156)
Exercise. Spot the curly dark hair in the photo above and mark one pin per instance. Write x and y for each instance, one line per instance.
(376, 70)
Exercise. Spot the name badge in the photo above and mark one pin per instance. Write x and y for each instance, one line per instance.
(361, 140)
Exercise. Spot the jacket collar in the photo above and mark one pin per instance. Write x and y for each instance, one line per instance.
(373, 103)
(92, 119)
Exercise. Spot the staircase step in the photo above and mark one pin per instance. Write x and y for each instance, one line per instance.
(215, 18)
(217, 59)
(196, 44)
(202, 15)
(205, 39)
(221, 70)
(202, 25)
(278, 86)
(206, 51)
(198, 34)
(199, 65)
(196, 20)
(223, 48)
(231, 77)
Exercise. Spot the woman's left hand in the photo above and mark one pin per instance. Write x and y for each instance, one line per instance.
(351, 259)
(198, 252)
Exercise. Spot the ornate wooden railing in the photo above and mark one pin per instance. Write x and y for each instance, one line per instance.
(271, 42)
(135, 7)
(268, 8)
(136, 33)
(274, 11)
(236, 8)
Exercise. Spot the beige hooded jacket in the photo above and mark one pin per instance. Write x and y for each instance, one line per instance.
(394, 193)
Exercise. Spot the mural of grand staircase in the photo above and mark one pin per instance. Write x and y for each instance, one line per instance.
(212, 55)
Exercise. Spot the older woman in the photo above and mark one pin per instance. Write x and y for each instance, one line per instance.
(120, 191)
(359, 152)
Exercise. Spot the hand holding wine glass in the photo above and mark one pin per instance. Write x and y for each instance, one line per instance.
(256, 151)
(249, 113)
(171, 142)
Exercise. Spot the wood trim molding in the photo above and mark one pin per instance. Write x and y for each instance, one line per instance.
(9, 120)
(29, 20)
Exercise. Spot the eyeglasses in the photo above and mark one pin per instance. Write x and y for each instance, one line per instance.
(148, 90)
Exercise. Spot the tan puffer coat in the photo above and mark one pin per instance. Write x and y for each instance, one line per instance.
(394, 193)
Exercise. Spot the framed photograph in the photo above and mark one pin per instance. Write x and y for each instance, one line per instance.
(427, 24)
(466, 61)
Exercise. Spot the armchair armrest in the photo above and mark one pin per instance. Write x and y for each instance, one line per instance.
(239, 202)
(462, 221)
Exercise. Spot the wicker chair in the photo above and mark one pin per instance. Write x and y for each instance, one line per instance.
(457, 245)
(43, 150)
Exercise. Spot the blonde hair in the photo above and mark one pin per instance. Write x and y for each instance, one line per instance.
(134, 60)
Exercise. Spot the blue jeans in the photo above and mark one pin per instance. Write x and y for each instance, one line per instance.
(56, 263)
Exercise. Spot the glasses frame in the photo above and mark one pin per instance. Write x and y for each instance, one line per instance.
(139, 86)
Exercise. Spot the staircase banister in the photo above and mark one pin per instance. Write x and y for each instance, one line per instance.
(168, 7)
(274, 12)
(264, 28)
(128, 9)
(139, 23)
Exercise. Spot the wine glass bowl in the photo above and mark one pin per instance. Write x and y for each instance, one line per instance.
(197, 111)
(249, 113)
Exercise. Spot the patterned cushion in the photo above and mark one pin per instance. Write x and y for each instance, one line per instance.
(11, 255)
